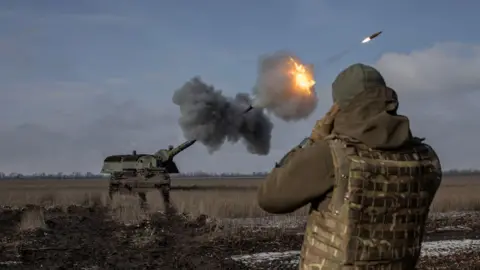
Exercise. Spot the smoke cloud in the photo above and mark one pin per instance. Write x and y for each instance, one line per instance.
(211, 118)
(275, 88)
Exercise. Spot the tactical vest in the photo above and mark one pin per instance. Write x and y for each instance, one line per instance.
(378, 209)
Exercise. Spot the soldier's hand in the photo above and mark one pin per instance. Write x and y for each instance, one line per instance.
(324, 126)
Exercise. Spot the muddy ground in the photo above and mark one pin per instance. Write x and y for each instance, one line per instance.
(88, 238)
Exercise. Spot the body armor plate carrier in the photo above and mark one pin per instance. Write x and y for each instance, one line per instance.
(379, 206)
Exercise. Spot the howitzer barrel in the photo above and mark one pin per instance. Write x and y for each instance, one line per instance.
(173, 152)
(184, 145)
(250, 107)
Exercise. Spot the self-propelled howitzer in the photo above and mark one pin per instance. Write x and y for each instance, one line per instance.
(143, 172)
(165, 156)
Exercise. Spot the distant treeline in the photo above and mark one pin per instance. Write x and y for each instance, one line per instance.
(89, 175)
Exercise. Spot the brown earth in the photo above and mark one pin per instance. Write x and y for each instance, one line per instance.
(87, 237)
(73, 225)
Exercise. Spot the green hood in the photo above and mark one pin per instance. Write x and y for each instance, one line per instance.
(368, 109)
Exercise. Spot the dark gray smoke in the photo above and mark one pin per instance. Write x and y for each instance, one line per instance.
(275, 88)
(211, 118)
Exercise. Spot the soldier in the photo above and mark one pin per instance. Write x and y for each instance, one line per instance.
(368, 181)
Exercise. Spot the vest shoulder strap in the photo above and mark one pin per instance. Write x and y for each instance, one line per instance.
(341, 148)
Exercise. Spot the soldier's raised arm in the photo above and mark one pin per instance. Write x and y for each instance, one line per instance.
(305, 175)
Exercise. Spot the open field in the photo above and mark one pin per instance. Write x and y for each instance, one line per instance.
(67, 224)
(215, 197)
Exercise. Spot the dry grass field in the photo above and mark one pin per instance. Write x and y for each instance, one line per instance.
(72, 224)
(460, 193)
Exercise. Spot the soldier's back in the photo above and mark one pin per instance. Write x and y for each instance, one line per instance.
(377, 214)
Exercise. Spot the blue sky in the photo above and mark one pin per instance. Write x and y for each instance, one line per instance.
(95, 40)
(71, 66)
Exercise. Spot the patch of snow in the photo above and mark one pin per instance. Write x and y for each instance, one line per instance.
(453, 214)
(448, 247)
(266, 256)
(263, 257)
(10, 263)
(431, 249)
(454, 229)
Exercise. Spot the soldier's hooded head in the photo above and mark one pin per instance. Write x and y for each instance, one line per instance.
(354, 80)
(368, 108)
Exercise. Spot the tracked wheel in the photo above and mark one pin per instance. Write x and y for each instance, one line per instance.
(165, 192)
(113, 187)
(143, 200)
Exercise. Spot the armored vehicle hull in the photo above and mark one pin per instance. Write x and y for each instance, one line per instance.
(143, 172)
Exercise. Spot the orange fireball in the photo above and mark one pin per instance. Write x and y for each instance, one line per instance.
(302, 78)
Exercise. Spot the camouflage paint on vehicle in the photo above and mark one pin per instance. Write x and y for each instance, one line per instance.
(112, 164)
(143, 172)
